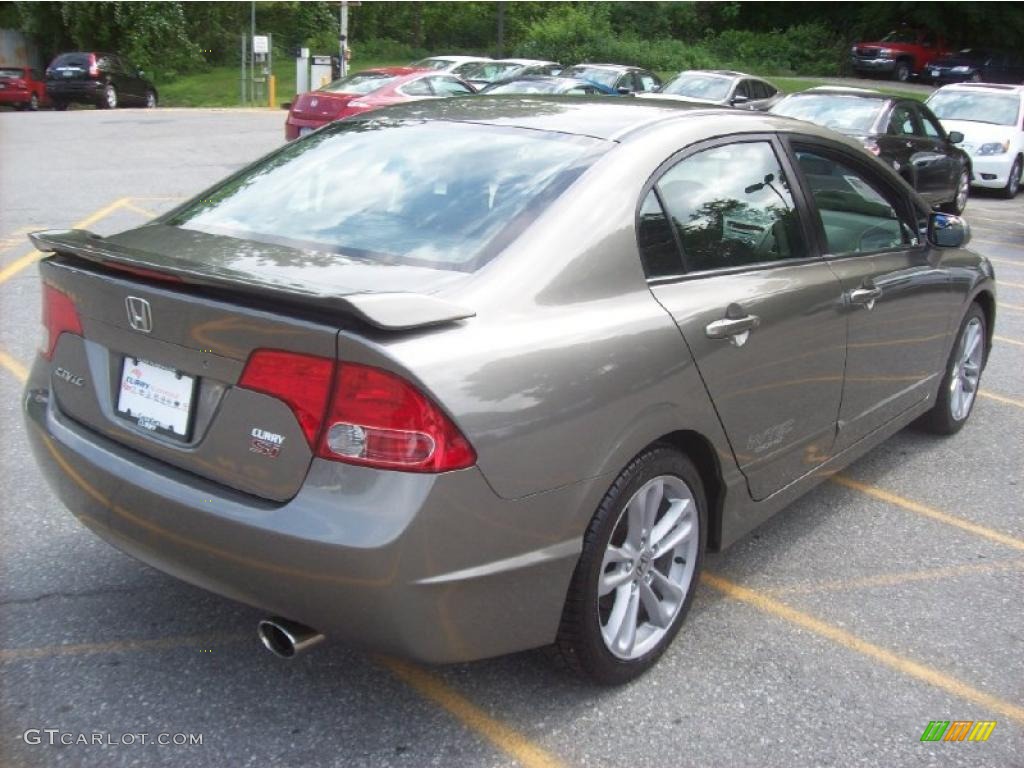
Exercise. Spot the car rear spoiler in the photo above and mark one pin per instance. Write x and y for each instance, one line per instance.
(386, 311)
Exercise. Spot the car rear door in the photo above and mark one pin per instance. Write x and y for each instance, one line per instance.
(896, 296)
(728, 253)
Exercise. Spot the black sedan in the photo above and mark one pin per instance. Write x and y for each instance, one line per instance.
(617, 77)
(976, 65)
(902, 132)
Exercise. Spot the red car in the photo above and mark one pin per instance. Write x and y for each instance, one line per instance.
(22, 88)
(366, 90)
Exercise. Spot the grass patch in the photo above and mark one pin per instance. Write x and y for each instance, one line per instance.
(219, 86)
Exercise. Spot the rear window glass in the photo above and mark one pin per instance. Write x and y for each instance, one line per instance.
(82, 60)
(364, 82)
(847, 114)
(434, 194)
(605, 77)
(5, 72)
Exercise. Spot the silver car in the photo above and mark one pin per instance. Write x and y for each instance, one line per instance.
(461, 378)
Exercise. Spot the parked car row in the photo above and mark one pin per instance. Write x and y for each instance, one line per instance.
(104, 80)
(907, 53)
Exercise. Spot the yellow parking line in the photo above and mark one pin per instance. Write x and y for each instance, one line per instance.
(894, 579)
(504, 737)
(118, 646)
(848, 640)
(19, 264)
(1002, 399)
(1004, 340)
(140, 210)
(19, 371)
(930, 512)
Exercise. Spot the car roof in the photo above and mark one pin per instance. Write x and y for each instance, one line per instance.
(524, 62)
(595, 116)
(399, 71)
(990, 87)
(846, 90)
(616, 67)
(442, 57)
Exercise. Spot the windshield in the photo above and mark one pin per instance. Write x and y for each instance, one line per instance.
(899, 37)
(489, 71)
(978, 107)
(846, 114)
(695, 86)
(364, 82)
(528, 86)
(5, 72)
(434, 194)
(605, 77)
(431, 63)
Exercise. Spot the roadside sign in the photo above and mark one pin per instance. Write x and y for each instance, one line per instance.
(260, 44)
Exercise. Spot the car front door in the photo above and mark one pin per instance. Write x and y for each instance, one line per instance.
(896, 296)
(897, 143)
(759, 310)
(937, 161)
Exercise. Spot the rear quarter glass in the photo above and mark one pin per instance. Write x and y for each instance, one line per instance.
(430, 194)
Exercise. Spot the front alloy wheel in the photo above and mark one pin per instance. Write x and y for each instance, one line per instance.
(150, 100)
(110, 97)
(1013, 182)
(959, 387)
(902, 72)
(963, 191)
(636, 575)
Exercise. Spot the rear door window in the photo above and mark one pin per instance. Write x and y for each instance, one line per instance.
(647, 81)
(448, 86)
(857, 212)
(419, 87)
(731, 206)
(903, 121)
(659, 252)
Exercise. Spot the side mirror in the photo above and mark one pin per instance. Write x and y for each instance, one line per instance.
(955, 137)
(948, 231)
(739, 98)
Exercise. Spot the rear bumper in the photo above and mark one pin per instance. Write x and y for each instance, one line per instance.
(77, 90)
(433, 567)
(293, 126)
(14, 96)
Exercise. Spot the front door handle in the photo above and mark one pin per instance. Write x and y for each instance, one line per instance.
(735, 329)
(865, 297)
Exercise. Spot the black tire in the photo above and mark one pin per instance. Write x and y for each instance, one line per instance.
(956, 206)
(1013, 182)
(60, 106)
(940, 420)
(580, 643)
(109, 98)
(901, 72)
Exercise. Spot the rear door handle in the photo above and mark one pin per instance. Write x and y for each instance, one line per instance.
(735, 329)
(865, 297)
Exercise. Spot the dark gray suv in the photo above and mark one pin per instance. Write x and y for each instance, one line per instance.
(105, 80)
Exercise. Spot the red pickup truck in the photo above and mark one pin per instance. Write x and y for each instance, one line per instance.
(900, 54)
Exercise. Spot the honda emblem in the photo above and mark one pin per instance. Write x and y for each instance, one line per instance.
(139, 316)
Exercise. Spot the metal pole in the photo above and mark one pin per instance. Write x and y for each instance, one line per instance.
(244, 55)
(343, 36)
(501, 28)
(252, 48)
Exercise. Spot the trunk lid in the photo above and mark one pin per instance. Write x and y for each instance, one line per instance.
(321, 105)
(163, 337)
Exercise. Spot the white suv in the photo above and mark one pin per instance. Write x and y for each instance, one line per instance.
(991, 118)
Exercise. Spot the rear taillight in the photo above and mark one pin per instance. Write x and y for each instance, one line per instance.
(59, 315)
(94, 69)
(303, 382)
(373, 418)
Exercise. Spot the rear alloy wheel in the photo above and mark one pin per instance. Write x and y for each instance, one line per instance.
(963, 191)
(109, 98)
(959, 387)
(901, 72)
(1013, 183)
(636, 576)
(33, 103)
(150, 100)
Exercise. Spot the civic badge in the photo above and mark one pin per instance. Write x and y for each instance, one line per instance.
(140, 318)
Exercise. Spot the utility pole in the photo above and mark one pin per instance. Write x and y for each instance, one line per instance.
(343, 36)
(252, 50)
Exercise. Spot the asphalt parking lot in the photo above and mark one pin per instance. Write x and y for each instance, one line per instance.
(889, 597)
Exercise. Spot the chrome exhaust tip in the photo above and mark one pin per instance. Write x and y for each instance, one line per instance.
(286, 638)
